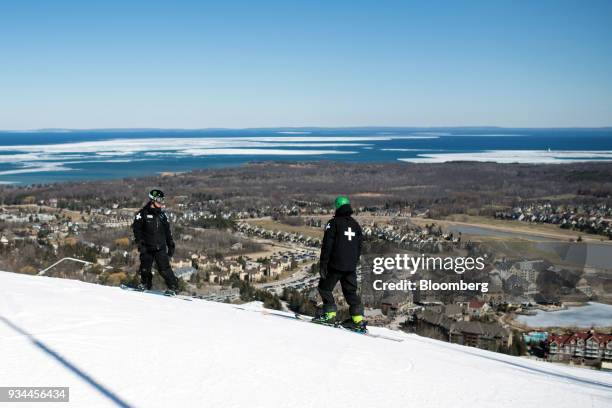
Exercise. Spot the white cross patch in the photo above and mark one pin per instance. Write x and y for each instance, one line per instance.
(138, 217)
(349, 233)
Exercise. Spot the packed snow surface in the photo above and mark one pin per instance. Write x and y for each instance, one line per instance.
(119, 348)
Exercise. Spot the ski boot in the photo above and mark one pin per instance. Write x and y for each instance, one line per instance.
(326, 318)
(356, 324)
(171, 292)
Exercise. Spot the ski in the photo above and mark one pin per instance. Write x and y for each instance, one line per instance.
(308, 319)
(339, 325)
(156, 292)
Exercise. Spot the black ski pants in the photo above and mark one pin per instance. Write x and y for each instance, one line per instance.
(163, 266)
(348, 282)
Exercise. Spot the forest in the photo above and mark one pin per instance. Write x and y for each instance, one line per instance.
(445, 188)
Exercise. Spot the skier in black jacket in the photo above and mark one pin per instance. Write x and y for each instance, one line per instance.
(339, 257)
(154, 239)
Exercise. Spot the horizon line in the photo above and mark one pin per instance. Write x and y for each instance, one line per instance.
(145, 129)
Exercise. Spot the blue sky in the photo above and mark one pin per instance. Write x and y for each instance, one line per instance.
(330, 63)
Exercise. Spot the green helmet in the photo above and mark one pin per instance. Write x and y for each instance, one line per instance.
(341, 200)
(157, 195)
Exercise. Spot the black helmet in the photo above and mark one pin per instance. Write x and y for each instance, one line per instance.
(157, 195)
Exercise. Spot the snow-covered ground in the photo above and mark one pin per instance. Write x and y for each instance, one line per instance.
(121, 348)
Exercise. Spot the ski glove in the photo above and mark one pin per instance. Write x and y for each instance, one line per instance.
(170, 251)
(142, 248)
(323, 271)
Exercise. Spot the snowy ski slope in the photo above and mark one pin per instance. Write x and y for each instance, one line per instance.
(119, 348)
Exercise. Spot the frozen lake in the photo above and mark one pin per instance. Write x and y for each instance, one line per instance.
(593, 314)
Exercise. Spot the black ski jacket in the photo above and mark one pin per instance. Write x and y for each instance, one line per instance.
(342, 241)
(152, 229)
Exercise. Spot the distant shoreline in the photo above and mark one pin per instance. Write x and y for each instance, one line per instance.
(55, 156)
(255, 165)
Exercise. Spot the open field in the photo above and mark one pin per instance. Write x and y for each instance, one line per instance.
(523, 228)
(521, 249)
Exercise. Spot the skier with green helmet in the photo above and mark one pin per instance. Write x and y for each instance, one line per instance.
(340, 254)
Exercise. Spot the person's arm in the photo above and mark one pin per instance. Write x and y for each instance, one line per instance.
(137, 228)
(359, 240)
(169, 240)
(328, 245)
